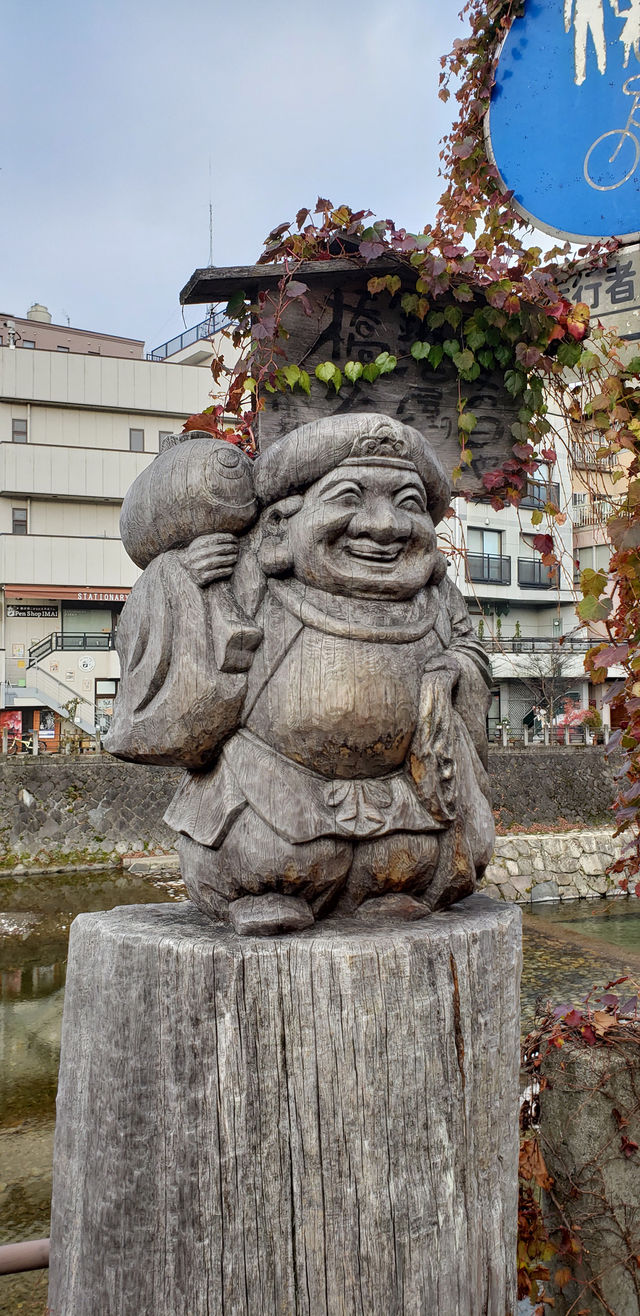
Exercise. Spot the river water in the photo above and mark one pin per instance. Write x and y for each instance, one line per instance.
(568, 949)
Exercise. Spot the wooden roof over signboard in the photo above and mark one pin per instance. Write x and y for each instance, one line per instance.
(218, 284)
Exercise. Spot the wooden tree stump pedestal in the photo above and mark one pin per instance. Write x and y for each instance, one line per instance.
(319, 1124)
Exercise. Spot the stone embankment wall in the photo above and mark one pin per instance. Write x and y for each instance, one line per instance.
(57, 812)
(552, 866)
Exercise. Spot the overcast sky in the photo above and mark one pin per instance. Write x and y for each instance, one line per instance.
(121, 118)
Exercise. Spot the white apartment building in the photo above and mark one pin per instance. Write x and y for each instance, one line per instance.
(523, 611)
(79, 419)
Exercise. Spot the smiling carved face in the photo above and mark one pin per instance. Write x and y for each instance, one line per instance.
(364, 530)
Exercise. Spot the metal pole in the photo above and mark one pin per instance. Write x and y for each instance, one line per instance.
(15, 1257)
(36, 745)
(5, 740)
(525, 734)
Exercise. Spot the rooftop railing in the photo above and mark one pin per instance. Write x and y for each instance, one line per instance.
(212, 325)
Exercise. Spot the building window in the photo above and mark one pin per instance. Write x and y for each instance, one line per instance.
(19, 431)
(91, 351)
(485, 562)
(59, 348)
(136, 440)
(18, 520)
(27, 342)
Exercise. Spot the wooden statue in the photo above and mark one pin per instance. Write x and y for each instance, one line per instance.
(295, 643)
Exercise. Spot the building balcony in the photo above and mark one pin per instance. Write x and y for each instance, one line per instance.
(538, 493)
(595, 513)
(39, 470)
(560, 645)
(488, 569)
(532, 574)
(584, 455)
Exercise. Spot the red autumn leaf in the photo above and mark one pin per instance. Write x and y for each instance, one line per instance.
(628, 1146)
(543, 544)
(296, 289)
(203, 420)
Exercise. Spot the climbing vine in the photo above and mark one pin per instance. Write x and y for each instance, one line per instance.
(560, 1213)
(479, 299)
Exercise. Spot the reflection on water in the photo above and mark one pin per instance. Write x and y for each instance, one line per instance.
(568, 948)
(35, 916)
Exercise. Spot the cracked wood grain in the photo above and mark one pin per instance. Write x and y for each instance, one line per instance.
(323, 1124)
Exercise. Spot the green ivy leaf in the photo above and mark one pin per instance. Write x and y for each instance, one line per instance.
(436, 353)
(593, 582)
(327, 373)
(304, 383)
(291, 374)
(451, 346)
(370, 372)
(592, 609)
(386, 363)
(633, 368)
(536, 517)
(435, 319)
(514, 382)
(353, 371)
(588, 360)
(420, 350)
(487, 359)
(467, 422)
(464, 361)
(453, 316)
(236, 304)
(569, 354)
(476, 339)
(502, 354)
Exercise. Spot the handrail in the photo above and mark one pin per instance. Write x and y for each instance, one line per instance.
(212, 325)
(32, 1255)
(70, 640)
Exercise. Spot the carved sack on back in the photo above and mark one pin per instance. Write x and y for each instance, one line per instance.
(295, 644)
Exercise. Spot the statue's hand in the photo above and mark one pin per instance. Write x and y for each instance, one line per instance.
(210, 557)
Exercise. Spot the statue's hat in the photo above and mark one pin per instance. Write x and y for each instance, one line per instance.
(296, 461)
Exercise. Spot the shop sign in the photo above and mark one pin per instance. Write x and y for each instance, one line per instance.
(32, 610)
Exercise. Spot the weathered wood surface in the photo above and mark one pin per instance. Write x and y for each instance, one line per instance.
(347, 322)
(323, 1124)
(318, 675)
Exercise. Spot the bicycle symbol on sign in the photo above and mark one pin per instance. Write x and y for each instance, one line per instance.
(597, 159)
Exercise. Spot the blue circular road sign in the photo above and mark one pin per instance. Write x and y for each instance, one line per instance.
(563, 127)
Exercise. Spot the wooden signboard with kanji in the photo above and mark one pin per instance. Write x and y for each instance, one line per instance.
(340, 320)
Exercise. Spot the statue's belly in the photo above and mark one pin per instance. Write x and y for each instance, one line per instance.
(342, 707)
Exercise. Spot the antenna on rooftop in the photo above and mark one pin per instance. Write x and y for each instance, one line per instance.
(210, 311)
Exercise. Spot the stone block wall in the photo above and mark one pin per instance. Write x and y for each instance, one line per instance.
(538, 786)
(57, 811)
(553, 866)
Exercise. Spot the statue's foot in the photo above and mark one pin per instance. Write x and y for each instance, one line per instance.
(393, 905)
(267, 915)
